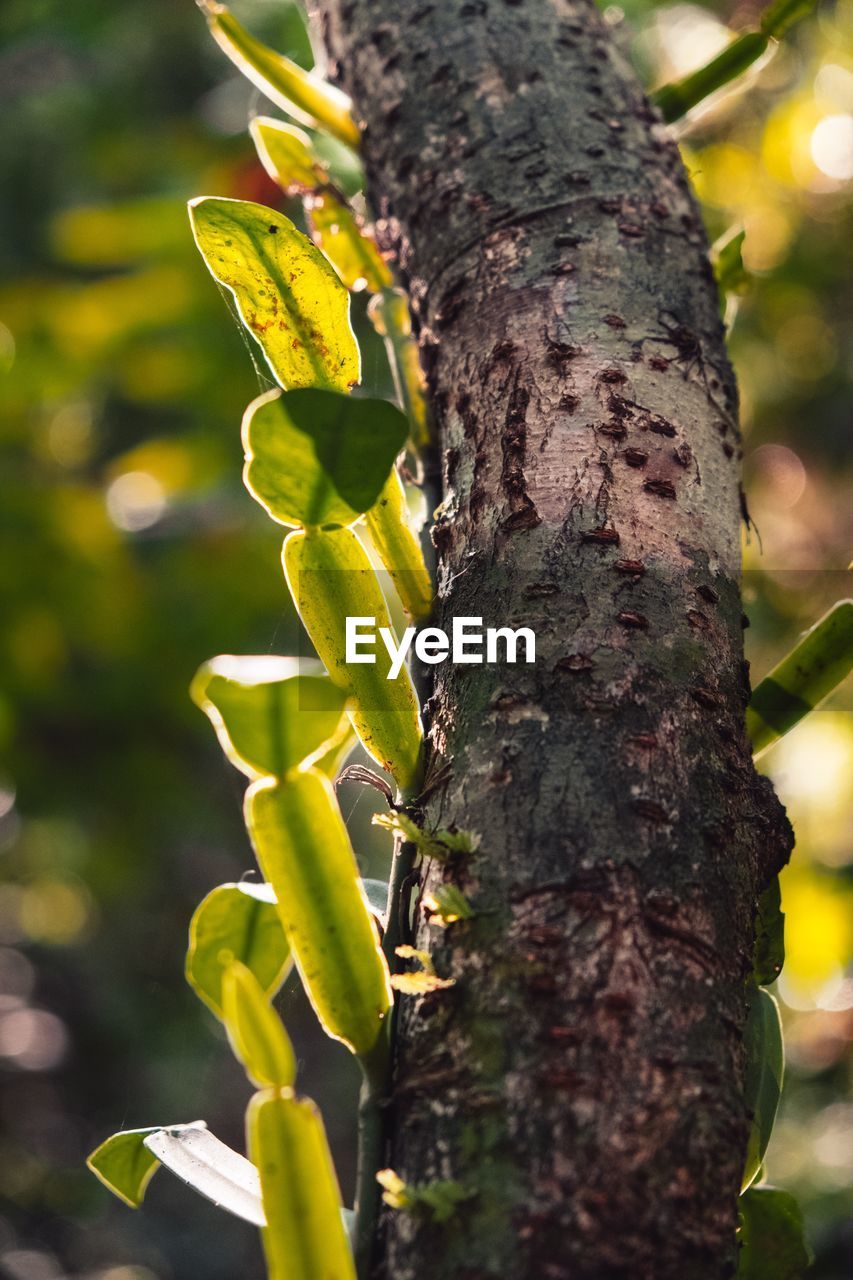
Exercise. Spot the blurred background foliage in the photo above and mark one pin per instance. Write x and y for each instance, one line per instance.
(129, 553)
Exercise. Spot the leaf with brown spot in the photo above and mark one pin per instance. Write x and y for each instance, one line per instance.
(287, 294)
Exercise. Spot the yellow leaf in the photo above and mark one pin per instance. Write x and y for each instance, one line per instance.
(255, 1030)
(304, 851)
(349, 248)
(286, 154)
(422, 980)
(287, 294)
(330, 578)
(304, 1238)
(283, 81)
(399, 549)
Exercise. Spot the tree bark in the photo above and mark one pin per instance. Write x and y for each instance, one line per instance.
(582, 1079)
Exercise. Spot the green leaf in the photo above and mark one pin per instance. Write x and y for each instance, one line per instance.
(305, 1237)
(255, 1030)
(816, 666)
(772, 1244)
(284, 82)
(287, 156)
(352, 252)
(270, 714)
(765, 1067)
(331, 578)
(769, 953)
(236, 922)
(447, 905)
(462, 843)
(399, 549)
(304, 850)
(125, 1165)
(288, 296)
(438, 1200)
(211, 1168)
(439, 845)
(318, 457)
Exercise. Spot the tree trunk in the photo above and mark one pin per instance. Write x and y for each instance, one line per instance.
(582, 1079)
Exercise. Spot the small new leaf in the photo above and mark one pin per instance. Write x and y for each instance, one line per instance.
(421, 981)
(439, 845)
(288, 296)
(317, 458)
(447, 904)
(438, 1200)
(255, 1030)
(462, 843)
(727, 261)
(236, 922)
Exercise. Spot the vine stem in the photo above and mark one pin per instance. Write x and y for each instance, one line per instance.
(376, 1070)
(376, 1067)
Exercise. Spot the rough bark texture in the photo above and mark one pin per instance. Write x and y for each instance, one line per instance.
(582, 1080)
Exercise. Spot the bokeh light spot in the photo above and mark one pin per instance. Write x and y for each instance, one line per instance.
(135, 501)
(33, 1039)
(832, 147)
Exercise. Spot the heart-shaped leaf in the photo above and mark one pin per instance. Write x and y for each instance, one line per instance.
(270, 714)
(319, 458)
(288, 296)
(236, 922)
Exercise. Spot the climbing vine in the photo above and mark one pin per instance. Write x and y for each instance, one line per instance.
(325, 463)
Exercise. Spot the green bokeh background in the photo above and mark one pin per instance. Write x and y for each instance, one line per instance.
(129, 553)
